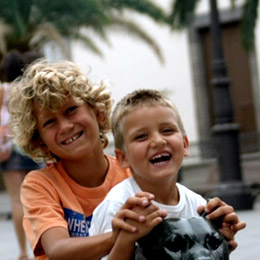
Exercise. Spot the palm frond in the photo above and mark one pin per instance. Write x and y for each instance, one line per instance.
(47, 32)
(67, 14)
(144, 7)
(87, 41)
(182, 12)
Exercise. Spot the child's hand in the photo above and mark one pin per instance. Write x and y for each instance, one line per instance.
(142, 199)
(137, 222)
(230, 223)
(136, 209)
(152, 217)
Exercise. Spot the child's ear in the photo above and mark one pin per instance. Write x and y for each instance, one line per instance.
(186, 145)
(100, 116)
(121, 157)
(44, 147)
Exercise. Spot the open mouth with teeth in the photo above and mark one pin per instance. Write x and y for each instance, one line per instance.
(160, 159)
(72, 139)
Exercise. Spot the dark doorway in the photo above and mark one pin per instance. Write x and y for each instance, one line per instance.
(243, 75)
(237, 61)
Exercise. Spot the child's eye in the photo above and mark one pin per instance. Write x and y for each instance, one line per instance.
(141, 137)
(168, 130)
(71, 109)
(48, 122)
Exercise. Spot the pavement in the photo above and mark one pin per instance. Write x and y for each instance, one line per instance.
(248, 239)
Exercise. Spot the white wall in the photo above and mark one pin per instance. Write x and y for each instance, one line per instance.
(130, 64)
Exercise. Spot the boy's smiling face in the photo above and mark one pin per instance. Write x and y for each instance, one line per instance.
(154, 146)
(71, 132)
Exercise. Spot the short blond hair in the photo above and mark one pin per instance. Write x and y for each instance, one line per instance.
(50, 84)
(129, 102)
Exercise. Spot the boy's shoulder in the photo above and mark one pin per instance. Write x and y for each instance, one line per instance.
(47, 173)
(123, 190)
(51, 179)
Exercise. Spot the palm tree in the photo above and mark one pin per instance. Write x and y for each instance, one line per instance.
(29, 24)
(183, 11)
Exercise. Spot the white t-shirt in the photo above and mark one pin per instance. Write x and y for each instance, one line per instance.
(105, 212)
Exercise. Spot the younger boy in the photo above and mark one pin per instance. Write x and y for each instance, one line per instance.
(150, 140)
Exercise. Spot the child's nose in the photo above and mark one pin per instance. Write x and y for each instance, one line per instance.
(157, 140)
(64, 125)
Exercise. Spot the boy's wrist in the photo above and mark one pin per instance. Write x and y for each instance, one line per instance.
(124, 247)
(111, 239)
(126, 238)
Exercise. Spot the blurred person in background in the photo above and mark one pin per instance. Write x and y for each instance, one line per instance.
(14, 164)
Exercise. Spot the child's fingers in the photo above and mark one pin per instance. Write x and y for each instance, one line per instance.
(118, 221)
(200, 209)
(138, 213)
(143, 194)
(153, 216)
(122, 225)
(217, 208)
(213, 204)
(136, 201)
(220, 211)
(232, 244)
(145, 210)
(150, 212)
(239, 226)
(131, 214)
(155, 221)
(228, 233)
(128, 220)
(231, 218)
(151, 220)
(156, 214)
(127, 212)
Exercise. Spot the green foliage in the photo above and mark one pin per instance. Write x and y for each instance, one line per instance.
(249, 23)
(183, 12)
(28, 24)
(141, 6)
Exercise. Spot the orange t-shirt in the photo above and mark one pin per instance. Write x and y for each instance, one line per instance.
(52, 199)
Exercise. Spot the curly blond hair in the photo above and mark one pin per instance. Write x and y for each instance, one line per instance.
(50, 84)
(148, 97)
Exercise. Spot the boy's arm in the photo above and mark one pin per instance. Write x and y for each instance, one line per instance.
(58, 244)
(217, 208)
(124, 246)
